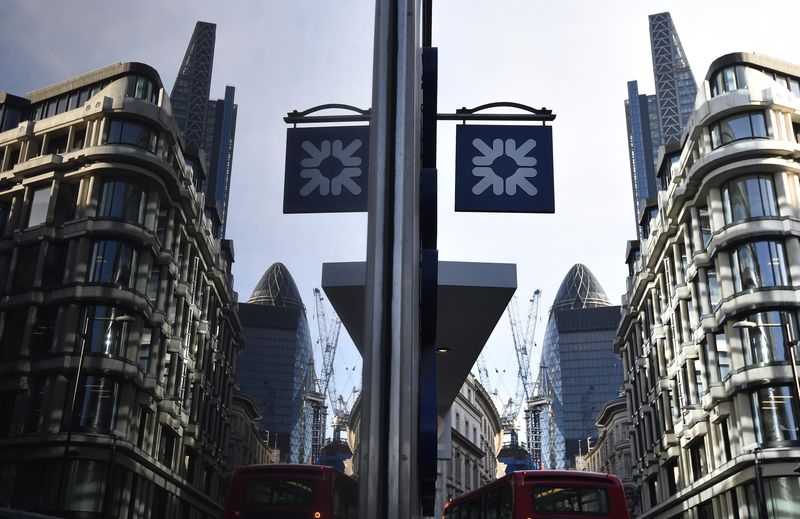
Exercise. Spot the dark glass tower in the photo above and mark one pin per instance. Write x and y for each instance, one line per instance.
(582, 370)
(207, 125)
(654, 120)
(276, 366)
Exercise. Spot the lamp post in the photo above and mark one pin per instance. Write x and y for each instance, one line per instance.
(70, 418)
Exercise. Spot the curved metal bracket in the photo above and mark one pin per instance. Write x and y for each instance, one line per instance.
(534, 114)
(295, 117)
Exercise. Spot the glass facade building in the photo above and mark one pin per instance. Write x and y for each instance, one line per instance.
(655, 120)
(276, 367)
(582, 370)
(207, 125)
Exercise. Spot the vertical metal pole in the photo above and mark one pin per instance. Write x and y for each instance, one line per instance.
(388, 435)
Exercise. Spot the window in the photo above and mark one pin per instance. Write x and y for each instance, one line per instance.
(43, 328)
(714, 293)
(775, 414)
(113, 262)
(166, 447)
(66, 203)
(38, 389)
(561, 499)
(140, 87)
(145, 349)
(5, 210)
(133, 133)
(759, 264)
(747, 125)
(705, 226)
(144, 422)
(79, 139)
(723, 355)
(40, 199)
(96, 404)
(85, 482)
(56, 143)
(25, 271)
(122, 199)
(764, 336)
(105, 330)
(54, 262)
(697, 454)
(161, 226)
(749, 197)
(728, 80)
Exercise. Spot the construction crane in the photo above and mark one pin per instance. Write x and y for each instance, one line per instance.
(523, 345)
(540, 403)
(329, 339)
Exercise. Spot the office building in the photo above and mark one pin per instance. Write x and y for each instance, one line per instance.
(118, 326)
(644, 139)
(655, 120)
(676, 87)
(208, 125)
(276, 366)
(709, 327)
(245, 444)
(580, 370)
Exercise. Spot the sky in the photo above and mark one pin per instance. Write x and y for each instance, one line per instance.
(572, 56)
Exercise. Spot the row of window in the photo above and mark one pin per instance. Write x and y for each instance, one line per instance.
(137, 86)
(735, 77)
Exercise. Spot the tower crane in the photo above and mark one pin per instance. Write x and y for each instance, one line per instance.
(329, 339)
(523, 345)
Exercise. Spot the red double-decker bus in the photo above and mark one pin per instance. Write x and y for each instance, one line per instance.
(543, 494)
(284, 491)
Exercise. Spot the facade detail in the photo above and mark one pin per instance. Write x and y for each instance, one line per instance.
(579, 367)
(118, 325)
(207, 125)
(276, 366)
(709, 332)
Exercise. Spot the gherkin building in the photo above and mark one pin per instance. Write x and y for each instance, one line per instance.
(276, 365)
(579, 367)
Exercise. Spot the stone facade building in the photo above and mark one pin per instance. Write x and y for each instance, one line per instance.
(118, 324)
(709, 329)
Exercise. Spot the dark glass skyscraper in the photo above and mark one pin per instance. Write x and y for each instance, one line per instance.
(582, 370)
(207, 125)
(654, 120)
(644, 138)
(276, 366)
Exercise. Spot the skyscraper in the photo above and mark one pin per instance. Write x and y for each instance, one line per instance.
(676, 87)
(581, 368)
(654, 120)
(276, 367)
(207, 125)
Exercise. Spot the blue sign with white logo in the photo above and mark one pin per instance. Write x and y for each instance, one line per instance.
(326, 169)
(504, 169)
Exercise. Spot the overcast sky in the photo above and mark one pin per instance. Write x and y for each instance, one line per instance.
(572, 56)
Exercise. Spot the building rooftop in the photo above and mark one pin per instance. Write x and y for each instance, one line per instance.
(580, 289)
(277, 288)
